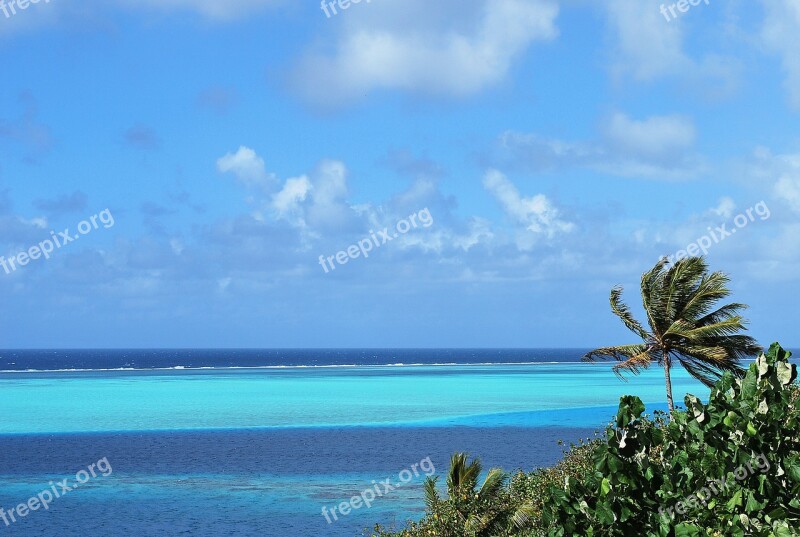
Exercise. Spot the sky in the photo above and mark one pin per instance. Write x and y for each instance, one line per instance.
(494, 167)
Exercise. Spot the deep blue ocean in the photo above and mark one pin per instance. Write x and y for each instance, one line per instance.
(97, 359)
(257, 442)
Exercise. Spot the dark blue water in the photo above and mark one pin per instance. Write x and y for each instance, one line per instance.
(45, 360)
(244, 483)
(260, 481)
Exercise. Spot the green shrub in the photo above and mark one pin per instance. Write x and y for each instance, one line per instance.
(513, 510)
(730, 467)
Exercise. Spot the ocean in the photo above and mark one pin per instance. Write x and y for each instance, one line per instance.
(258, 442)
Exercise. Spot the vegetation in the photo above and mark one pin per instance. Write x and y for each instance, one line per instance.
(515, 508)
(685, 325)
(729, 467)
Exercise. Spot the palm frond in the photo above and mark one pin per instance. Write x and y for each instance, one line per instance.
(431, 494)
(619, 353)
(707, 333)
(635, 363)
(493, 483)
(740, 346)
(524, 516)
(651, 284)
(462, 476)
(621, 310)
(680, 284)
(696, 360)
(711, 289)
(728, 310)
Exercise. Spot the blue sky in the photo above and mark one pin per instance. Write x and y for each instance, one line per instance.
(559, 147)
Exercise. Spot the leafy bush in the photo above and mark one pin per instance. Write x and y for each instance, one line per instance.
(730, 467)
(512, 510)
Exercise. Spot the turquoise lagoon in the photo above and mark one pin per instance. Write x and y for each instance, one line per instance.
(247, 452)
(574, 394)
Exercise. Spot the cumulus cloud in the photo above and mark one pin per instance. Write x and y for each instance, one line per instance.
(535, 214)
(212, 9)
(648, 48)
(654, 137)
(725, 208)
(787, 187)
(387, 49)
(318, 204)
(89, 12)
(780, 173)
(653, 147)
(314, 209)
(248, 168)
(779, 32)
(295, 191)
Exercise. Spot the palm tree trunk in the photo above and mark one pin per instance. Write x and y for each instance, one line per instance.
(670, 403)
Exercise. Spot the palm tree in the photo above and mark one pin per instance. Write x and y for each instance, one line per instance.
(477, 509)
(684, 325)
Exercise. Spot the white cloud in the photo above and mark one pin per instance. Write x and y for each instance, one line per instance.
(316, 204)
(788, 189)
(212, 9)
(648, 46)
(537, 214)
(89, 12)
(653, 137)
(479, 231)
(293, 193)
(329, 207)
(724, 209)
(779, 32)
(315, 201)
(177, 246)
(425, 53)
(248, 168)
(656, 146)
(782, 172)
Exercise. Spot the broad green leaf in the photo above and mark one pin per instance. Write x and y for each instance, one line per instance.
(786, 373)
(793, 468)
(751, 430)
(735, 501)
(686, 530)
(762, 365)
(604, 514)
(750, 384)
